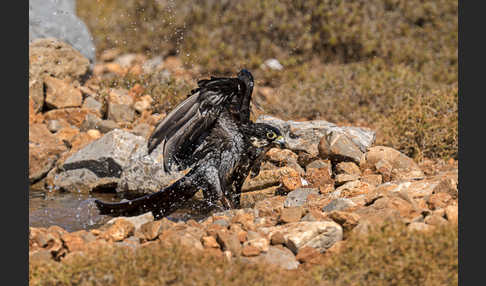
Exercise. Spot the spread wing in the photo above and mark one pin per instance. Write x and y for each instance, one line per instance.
(185, 127)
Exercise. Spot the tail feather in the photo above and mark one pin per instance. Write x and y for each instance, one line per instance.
(161, 203)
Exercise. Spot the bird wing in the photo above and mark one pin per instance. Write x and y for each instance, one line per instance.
(183, 128)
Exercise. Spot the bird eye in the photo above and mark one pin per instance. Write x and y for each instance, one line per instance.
(271, 135)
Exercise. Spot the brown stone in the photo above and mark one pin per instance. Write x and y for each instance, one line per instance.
(67, 134)
(318, 177)
(50, 56)
(343, 178)
(249, 250)
(349, 168)
(209, 242)
(246, 220)
(372, 179)
(438, 200)
(44, 150)
(447, 185)
(152, 229)
(435, 220)
(268, 178)
(271, 206)
(277, 238)
(229, 241)
(74, 116)
(249, 199)
(73, 242)
(390, 162)
(119, 230)
(306, 254)
(291, 214)
(36, 94)
(60, 94)
(291, 181)
(347, 220)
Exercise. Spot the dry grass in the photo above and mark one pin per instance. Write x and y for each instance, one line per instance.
(390, 255)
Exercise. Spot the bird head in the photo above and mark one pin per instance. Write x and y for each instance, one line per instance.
(265, 136)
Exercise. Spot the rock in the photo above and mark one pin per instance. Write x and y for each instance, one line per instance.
(66, 134)
(58, 19)
(318, 234)
(338, 146)
(352, 189)
(142, 174)
(137, 221)
(435, 220)
(91, 103)
(152, 229)
(349, 168)
(229, 241)
(392, 164)
(306, 254)
(57, 59)
(299, 197)
(248, 199)
(305, 136)
(143, 129)
(291, 214)
(36, 93)
(119, 230)
(452, 213)
(120, 112)
(73, 115)
(188, 238)
(54, 125)
(447, 185)
(319, 164)
(60, 94)
(93, 133)
(347, 220)
(338, 204)
(281, 257)
(344, 178)
(273, 64)
(277, 238)
(318, 177)
(73, 241)
(372, 179)
(438, 200)
(258, 241)
(246, 220)
(209, 242)
(44, 150)
(249, 251)
(267, 178)
(271, 206)
(100, 163)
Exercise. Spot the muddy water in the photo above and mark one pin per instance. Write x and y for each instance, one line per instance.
(74, 212)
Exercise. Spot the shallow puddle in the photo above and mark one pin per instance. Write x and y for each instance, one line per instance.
(74, 212)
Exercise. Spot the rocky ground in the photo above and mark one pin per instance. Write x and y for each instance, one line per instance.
(331, 183)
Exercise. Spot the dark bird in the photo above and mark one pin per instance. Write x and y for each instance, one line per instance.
(210, 132)
(184, 128)
(225, 158)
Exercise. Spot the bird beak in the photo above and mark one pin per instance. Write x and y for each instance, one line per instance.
(280, 141)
